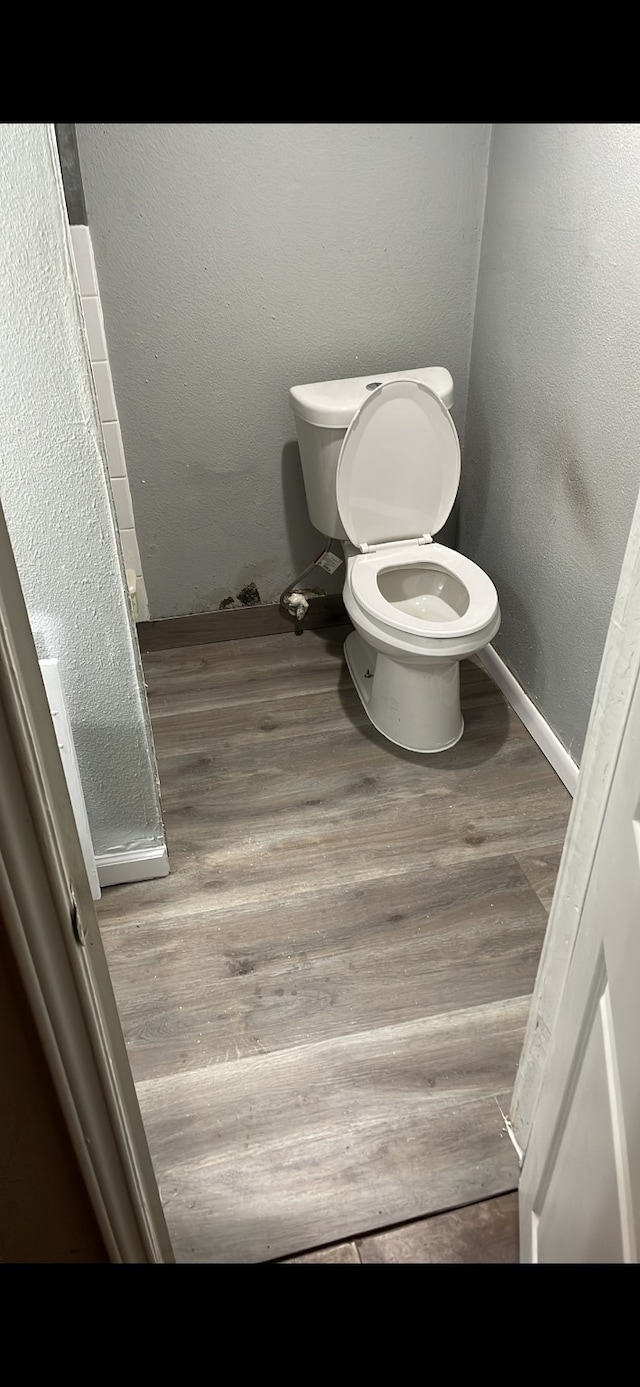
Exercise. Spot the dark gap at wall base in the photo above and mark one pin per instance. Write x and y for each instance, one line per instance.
(71, 174)
(236, 623)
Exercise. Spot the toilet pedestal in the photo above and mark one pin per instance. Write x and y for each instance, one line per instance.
(417, 707)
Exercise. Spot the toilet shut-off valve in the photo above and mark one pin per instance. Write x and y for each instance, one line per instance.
(297, 604)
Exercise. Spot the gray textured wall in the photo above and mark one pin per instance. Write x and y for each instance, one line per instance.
(552, 457)
(237, 260)
(56, 500)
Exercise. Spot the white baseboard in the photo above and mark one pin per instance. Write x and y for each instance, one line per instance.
(550, 745)
(141, 864)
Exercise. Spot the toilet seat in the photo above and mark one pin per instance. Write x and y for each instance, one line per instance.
(396, 482)
(367, 568)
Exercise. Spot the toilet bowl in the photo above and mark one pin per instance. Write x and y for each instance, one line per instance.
(420, 616)
(417, 607)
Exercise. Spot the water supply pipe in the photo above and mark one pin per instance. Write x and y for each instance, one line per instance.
(296, 603)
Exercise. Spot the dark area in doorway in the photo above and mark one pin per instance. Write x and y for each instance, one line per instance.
(71, 174)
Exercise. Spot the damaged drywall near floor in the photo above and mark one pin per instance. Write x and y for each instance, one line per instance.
(248, 596)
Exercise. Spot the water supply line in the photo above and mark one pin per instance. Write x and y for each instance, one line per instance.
(295, 602)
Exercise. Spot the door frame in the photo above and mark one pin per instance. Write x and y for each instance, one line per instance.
(45, 899)
(610, 709)
(53, 928)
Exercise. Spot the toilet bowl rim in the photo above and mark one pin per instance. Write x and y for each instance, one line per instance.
(362, 576)
(406, 645)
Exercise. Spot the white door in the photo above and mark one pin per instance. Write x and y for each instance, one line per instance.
(580, 1185)
(50, 922)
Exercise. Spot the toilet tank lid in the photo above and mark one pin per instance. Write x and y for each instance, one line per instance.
(331, 404)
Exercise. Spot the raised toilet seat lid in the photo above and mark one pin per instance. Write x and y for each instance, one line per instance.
(399, 468)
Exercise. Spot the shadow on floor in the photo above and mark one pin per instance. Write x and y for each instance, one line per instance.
(479, 742)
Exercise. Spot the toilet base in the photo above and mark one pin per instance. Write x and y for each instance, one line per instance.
(416, 706)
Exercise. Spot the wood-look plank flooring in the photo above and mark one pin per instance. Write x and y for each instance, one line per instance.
(324, 1002)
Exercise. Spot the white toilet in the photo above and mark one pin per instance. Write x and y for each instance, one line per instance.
(381, 465)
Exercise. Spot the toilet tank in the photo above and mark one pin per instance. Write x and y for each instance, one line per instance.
(323, 412)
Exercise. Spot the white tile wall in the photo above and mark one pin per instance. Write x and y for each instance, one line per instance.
(130, 549)
(115, 450)
(95, 328)
(122, 498)
(142, 600)
(108, 409)
(83, 256)
(104, 390)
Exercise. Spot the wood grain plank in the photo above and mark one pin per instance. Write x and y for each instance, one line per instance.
(181, 667)
(214, 869)
(297, 769)
(486, 1232)
(242, 982)
(250, 763)
(266, 1156)
(242, 672)
(541, 869)
(174, 670)
(234, 622)
(210, 676)
(334, 717)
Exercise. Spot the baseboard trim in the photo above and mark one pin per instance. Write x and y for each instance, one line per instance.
(550, 745)
(141, 864)
(236, 623)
